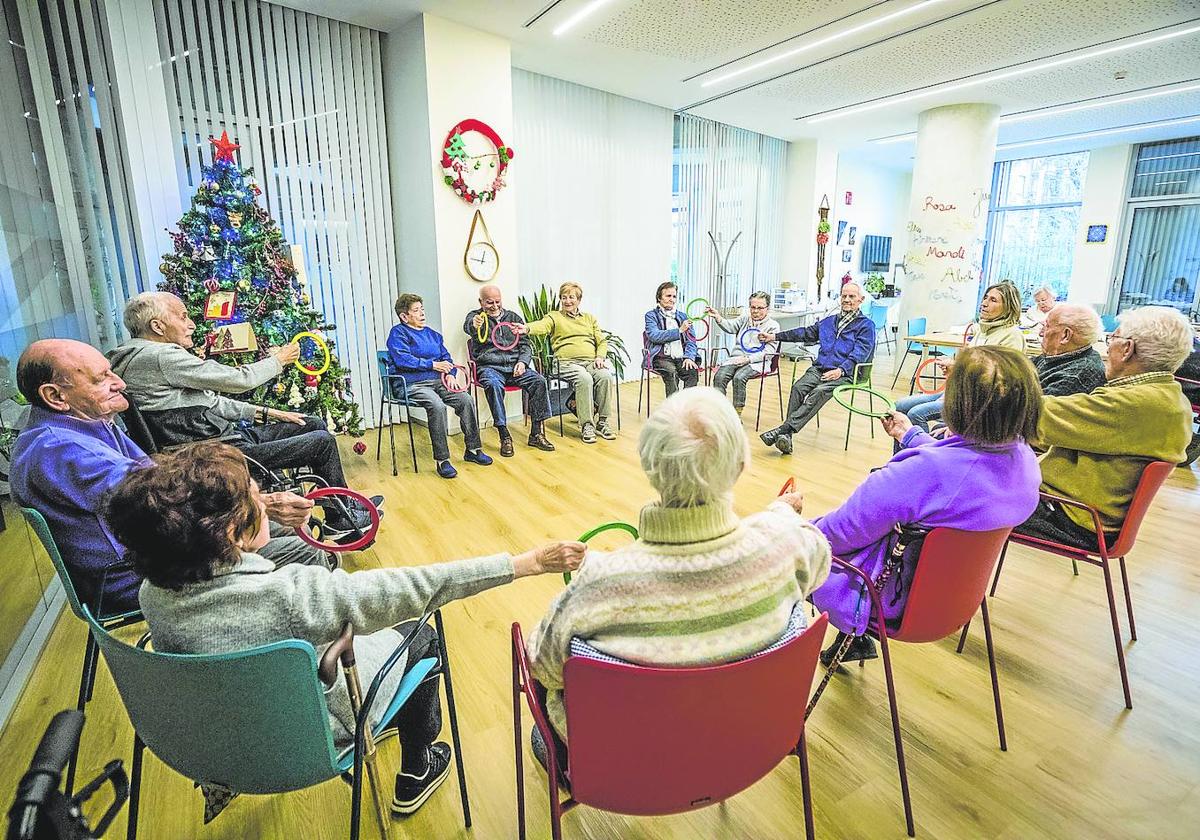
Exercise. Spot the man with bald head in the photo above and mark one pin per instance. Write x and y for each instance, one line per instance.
(846, 338)
(1069, 364)
(71, 454)
(182, 397)
(497, 368)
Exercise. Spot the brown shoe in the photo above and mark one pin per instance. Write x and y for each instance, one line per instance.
(540, 441)
(506, 446)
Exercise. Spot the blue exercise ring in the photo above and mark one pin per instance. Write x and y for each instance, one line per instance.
(742, 340)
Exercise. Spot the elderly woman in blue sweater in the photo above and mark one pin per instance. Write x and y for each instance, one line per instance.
(418, 353)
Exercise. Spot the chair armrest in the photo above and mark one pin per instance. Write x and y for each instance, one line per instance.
(341, 650)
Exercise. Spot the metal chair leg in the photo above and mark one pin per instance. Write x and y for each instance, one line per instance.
(1116, 628)
(135, 788)
(987, 635)
(895, 710)
(448, 681)
(999, 566)
(805, 788)
(1128, 601)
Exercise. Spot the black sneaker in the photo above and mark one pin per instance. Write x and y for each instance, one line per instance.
(412, 791)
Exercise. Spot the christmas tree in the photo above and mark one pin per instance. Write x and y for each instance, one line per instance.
(226, 243)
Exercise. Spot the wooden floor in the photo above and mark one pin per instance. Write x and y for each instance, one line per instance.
(1078, 765)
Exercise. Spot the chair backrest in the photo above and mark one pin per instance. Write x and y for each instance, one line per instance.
(651, 741)
(951, 578)
(914, 326)
(254, 721)
(1153, 477)
(40, 527)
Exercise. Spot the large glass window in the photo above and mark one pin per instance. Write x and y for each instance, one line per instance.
(1033, 221)
(1162, 257)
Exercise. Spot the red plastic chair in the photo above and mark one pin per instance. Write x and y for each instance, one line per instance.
(476, 386)
(1152, 479)
(950, 580)
(656, 741)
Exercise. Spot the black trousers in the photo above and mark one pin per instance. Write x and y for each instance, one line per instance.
(1050, 522)
(279, 445)
(673, 372)
(419, 721)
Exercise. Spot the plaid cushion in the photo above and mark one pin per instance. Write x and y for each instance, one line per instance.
(797, 622)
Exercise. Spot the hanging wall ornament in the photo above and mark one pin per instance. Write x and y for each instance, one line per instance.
(458, 162)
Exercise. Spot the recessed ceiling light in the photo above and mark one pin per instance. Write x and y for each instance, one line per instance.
(1057, 110)
(1086, 134)
(1033, 66)
(582, 14)
(820, 42)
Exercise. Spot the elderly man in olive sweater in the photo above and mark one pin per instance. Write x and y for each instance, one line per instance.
(1099, 443)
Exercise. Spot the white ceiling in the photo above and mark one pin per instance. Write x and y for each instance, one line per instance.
(662, 51)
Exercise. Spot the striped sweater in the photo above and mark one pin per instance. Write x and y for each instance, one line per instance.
(699, 587)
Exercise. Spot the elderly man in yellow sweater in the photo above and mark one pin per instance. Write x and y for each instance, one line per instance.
(582, 352)
(1099, 443)
(701, 585)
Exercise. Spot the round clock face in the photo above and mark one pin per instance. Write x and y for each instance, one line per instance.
(481, 261)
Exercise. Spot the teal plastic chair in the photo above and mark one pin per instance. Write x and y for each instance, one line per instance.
(87, 678)
(254, 721)
(393, 391)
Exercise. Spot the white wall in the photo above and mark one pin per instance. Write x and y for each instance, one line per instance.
(879, 208)
(1095, 269)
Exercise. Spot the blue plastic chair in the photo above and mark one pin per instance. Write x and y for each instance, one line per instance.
(913, 326)
(389, 384)
(254, 721)
(1109, 322)
(112, 621)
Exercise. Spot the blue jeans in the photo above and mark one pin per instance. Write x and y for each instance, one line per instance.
(921, 408)
(531, 382)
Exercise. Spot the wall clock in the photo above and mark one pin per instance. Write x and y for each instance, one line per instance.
(481, 260)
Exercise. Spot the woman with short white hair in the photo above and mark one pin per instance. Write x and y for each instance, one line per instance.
(700, 586)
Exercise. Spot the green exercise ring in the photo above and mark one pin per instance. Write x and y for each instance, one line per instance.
(687, 310)
(845, 389)
(600, 529)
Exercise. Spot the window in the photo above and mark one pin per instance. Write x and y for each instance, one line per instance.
(1033, 221)
(1162, 257)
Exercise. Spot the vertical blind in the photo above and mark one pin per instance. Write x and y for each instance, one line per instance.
(303, 96)
(727, 181)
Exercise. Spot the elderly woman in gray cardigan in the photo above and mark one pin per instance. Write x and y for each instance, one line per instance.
(192, 524)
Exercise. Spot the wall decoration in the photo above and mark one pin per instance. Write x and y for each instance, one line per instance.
(841, 230)
(476, 178)
(849, 197)
(822, 238)
(1097, 233)
(853, 232)
(481, 260)
(219, 306)
(846, 255)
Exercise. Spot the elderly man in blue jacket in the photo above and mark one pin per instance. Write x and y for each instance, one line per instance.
(847, 338)
(671, 350)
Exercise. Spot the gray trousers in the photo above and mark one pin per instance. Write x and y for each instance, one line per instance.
(587, 379)
(285, 548)
(807, 396)
(435, 398)
(739, 375)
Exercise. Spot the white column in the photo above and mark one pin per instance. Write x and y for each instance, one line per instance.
(952, 176)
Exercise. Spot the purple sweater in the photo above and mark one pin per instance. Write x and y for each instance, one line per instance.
(63, 466)
(949, 483)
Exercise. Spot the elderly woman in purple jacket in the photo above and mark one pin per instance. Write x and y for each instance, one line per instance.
(981, 476)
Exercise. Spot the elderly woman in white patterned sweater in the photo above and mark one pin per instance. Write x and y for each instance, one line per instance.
(701, 586)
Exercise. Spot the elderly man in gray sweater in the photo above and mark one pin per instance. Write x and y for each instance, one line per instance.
(181, 396)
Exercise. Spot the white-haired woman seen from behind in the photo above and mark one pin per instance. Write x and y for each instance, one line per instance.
(700, 586)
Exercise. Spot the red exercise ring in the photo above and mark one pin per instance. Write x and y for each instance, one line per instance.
(917, 377)
(366, 539)
(516, 335)
(452, 382)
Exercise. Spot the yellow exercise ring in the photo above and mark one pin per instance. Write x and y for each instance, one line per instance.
(320, 342)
